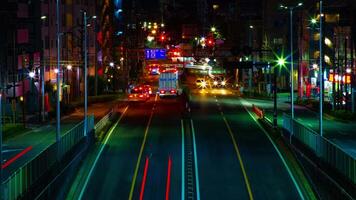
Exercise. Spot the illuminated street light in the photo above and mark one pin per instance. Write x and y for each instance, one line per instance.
(281, 62)
(56, 71)
(251, 27)
(150, 38)
(213, 29)
(291, 8)
(111, 64)
(313, 20)
(69, 67)
(31, 74)
(43, 17)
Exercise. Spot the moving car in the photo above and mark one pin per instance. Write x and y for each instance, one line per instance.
(139, 93)
(219, 82)
(201, 83)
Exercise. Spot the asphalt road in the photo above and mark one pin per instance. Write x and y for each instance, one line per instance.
(340, 133)
(142, 156)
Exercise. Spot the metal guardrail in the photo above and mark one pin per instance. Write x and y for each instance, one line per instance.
(102, 123)
(323, 148)
(20, 181)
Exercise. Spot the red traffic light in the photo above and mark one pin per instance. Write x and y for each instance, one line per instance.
(210, 42)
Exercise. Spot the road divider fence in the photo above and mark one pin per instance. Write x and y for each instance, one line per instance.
(323, 148)
(104, 121)
(26, 176)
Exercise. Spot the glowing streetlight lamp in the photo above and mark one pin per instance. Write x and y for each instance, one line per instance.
(213, 29)
(69, 67)
(313, 20)
(31, 74)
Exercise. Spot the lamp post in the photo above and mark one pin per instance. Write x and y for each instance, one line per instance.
(85, 73)
(291, 8)
(95, 61)
(43, 18)
(321, 74)
(281, 62)
(58, 127)
(1, 189)
(85, 19)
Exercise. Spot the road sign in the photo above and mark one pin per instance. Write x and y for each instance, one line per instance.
(155, 54)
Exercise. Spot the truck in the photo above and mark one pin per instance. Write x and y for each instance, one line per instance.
(168, 82)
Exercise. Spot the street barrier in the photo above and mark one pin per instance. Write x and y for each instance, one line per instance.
(323, 148)
(21, 181)
(259, 112)
(103, 122)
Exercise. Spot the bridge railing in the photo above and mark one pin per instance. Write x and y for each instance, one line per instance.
(104, 121)
(23, 178)
(325, 149)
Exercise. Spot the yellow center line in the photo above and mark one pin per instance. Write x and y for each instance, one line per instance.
(140, 154)
(247, 182)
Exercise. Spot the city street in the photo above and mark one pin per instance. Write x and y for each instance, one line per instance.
(230, 154)
(178, 99)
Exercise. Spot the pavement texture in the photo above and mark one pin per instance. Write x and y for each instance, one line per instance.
(42, 137)
(146, 154)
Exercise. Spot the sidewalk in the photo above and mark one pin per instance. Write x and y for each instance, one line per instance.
(342, 134)
(42, 137)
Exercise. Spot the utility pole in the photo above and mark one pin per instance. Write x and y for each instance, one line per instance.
(58, 129)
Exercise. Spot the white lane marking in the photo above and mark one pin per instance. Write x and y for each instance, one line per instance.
(99, 154)
(278, 152)
(183, 159)
(195, 162)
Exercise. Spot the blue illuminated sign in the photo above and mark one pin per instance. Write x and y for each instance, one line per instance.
(155, 54)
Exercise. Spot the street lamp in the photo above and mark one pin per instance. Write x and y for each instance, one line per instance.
(85, 19)
(58, 127)
(291, 8)
(43, 18)
(280, 62)
(213, 29)
(1, 191)
(321, 78)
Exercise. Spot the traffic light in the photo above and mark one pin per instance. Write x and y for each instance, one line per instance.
(210, 42)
